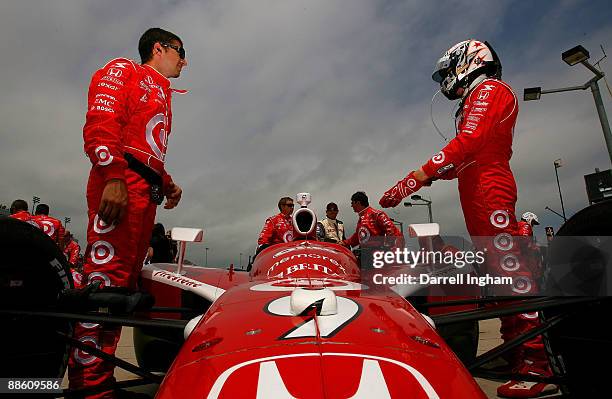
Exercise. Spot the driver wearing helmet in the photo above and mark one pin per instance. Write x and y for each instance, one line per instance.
(525, 226)
(479, 158)
(529, 247)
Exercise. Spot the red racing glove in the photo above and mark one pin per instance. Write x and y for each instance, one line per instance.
(401, 190)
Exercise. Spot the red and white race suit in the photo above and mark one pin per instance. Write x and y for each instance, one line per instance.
(77, 278)
(128, 111)
(71, 251)
(525, 229)
(479, 157)
(25, 216)
(513, 326)
(529, 248)
(277, 229)
(373, 229)
(51, 226)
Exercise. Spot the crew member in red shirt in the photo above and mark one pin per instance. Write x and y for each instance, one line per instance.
(50, 225)
(19, 210)
(71, 249)
(277, 228)
(375, 230)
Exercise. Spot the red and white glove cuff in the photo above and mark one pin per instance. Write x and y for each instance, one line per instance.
(408, 185)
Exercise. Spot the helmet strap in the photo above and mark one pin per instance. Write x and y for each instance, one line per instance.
(472, 82)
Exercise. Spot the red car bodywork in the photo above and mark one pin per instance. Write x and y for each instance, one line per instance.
(249, 344)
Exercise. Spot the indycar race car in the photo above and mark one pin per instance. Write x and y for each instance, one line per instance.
(302, 322)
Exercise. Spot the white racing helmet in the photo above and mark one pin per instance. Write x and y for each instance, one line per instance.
(464, 62)
(530, 218)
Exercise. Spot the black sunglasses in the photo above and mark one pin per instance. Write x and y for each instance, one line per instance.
(180, 50)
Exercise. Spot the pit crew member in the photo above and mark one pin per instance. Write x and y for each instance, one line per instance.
(50, 225)
(19, 210)
(277, 228)
(374, 231)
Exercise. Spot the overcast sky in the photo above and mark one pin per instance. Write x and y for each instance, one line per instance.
(328, 97)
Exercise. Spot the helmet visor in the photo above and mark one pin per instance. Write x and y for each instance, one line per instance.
(442, 69)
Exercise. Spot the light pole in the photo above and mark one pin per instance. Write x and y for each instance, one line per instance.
(558, 163)
(426, 202)
(572, 57)
(35, 200)
(401, 225)
(240, 260)
(206, 257)
(555, 212)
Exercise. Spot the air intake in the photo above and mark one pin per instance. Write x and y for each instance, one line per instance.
(304, 222)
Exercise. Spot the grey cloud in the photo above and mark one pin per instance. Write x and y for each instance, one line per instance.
(321, 96)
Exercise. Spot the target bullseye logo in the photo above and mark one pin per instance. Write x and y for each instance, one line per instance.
(81, 356)
(510, 263)
(102, 252)
(503, 242)
(411, 183)
(95, 276)
(522, 285)
(48, 227)
(288, 236)
(438, 158)
(101, 227)
(500, 219)
(364, 235)
(103, 154)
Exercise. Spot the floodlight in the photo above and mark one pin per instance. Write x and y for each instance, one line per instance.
(532, 93)
(575, 55)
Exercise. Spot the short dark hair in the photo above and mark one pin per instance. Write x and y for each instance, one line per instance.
(283, 201)
(152, 36)
(18, 205)
(42, 209)
(360, 197)
(331, 205)
(159, 229)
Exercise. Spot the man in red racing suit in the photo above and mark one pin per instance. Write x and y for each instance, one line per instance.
(19, 211)
(128, 121)
(528, 244)
(277, 228)
(512, 326)
(375, 230)
(71, 252)
(525, 225)
(71, 249)
(525, 229)
(49, 225)
(479, 157)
